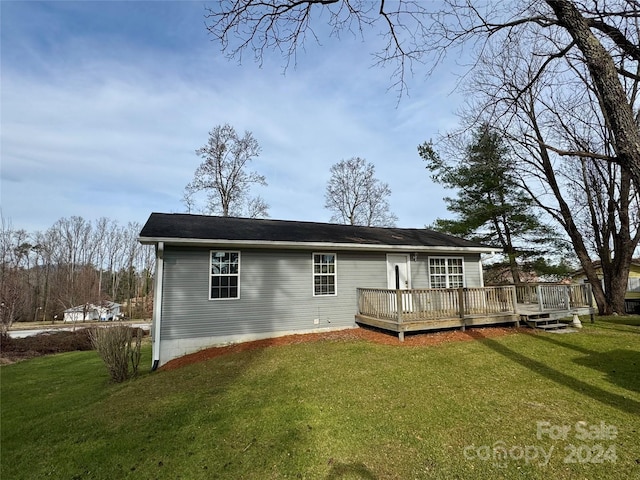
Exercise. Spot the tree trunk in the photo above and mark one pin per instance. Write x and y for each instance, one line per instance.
(618, 289)
(614, 103)
(514, 268)
(604, 307)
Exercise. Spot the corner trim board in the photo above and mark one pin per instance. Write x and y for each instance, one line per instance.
(157, 303)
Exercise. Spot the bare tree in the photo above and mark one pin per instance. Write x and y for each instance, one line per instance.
(566, 153)
(356, 197)
(224, 177)
(12, 273)
(74, 252)
(602, 36)
(43, 249)
(189, 201)
(607, 210)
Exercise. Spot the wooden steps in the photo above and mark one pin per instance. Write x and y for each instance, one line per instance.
(543, 321)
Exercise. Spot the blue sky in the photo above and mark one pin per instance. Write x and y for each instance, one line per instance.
(103, 105)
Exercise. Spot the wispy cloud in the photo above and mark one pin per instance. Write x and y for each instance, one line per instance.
(106, 124)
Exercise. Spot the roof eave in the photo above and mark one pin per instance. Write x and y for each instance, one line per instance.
(270, 244)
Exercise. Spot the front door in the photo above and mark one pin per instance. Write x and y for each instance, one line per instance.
(398, 272)
(399, 278)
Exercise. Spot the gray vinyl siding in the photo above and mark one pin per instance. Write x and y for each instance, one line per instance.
(472, 272)
(276, 291)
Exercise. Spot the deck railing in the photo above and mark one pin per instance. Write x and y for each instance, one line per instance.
(433, 308)
(554, 296)
(436, 303)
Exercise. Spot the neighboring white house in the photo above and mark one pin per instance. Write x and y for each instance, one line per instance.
(107, 311)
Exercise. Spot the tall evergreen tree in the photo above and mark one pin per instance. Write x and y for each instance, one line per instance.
(490, 207)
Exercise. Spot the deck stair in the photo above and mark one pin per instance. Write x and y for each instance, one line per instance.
(543, 321)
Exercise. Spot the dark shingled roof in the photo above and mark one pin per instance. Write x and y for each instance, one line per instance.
(185, 227)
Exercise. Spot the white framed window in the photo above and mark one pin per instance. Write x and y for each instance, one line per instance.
(324, 274)
(446, 272)
(633, 284)
(224, 279)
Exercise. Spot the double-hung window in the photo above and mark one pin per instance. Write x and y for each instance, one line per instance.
(324, 274)
(446, 272)
(225, 275)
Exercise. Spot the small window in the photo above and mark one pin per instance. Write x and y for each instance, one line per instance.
(446, 272)
(324, 274)
(225, 275)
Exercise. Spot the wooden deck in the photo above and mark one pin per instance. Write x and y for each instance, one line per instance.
(430, 309)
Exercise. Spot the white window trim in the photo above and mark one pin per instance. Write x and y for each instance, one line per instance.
(464, 277)
(211, 252)
(335, 275)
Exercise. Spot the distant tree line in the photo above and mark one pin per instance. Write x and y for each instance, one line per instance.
(74, 262)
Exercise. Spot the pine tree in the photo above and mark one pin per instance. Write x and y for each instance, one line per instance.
(490, 207)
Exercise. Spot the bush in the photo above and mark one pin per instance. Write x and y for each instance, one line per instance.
(119, 348)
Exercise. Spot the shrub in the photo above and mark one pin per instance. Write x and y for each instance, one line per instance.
(119, 348)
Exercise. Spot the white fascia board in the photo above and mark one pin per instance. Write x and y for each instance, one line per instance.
(197, 242)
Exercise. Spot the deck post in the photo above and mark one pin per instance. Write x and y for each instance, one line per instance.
(589, 296)
(514, 299)
(399, 314)
(540, 302)
(461, 306)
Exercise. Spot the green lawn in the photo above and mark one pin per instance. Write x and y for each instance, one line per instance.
(338, 410)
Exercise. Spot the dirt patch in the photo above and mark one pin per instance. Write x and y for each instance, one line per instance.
(362, 333)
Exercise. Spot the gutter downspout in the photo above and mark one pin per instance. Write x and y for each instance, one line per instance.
(157, 306)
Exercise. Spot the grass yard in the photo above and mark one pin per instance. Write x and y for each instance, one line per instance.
(529, 405)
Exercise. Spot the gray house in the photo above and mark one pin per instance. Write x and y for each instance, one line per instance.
(221, 280)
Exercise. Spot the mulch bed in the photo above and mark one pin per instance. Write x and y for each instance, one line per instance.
(361, 333)
(12, 350)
